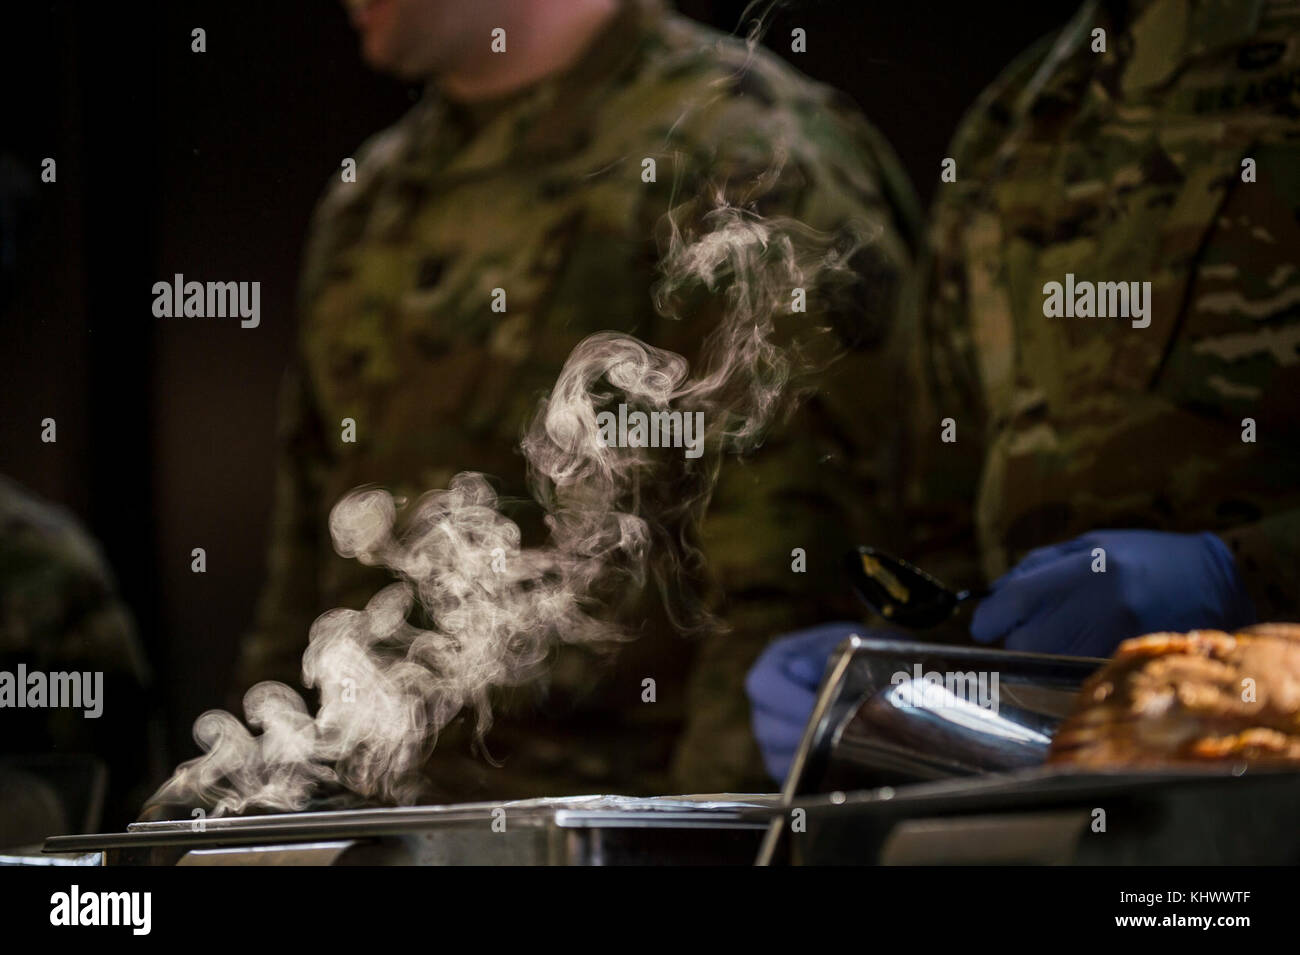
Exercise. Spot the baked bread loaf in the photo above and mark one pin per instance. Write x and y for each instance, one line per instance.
(1190, 698)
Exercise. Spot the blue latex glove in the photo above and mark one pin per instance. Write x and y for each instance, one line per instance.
(782, 688)
(1054, 602)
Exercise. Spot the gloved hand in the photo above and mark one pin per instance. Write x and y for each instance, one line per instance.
(1054, 601)
(782, 688)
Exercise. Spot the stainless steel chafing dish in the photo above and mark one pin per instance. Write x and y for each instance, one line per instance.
(868, 728)
(898, 711)
(592, 830)
(893, 771)
(892, 712)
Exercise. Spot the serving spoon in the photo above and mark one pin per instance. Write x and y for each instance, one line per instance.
(903, 593)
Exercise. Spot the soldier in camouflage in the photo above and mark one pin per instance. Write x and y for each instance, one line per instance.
(541, 192)
(1170, 158)
(60, 613)
(1149, 141)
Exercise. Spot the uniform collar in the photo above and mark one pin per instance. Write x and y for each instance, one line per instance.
(551, 112)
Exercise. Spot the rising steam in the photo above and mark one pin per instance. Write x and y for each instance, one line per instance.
(471, 609)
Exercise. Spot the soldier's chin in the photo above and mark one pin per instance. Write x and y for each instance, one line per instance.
(378, 52)
(381, 56)
(380, 37)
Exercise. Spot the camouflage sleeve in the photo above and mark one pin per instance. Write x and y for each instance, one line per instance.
(61, 612)
(945, 438)
(272, 650)
(783, 517)
(1235, 359)
(61, 607)
(943, 442)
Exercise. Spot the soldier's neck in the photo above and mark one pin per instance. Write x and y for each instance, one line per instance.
(542, 38)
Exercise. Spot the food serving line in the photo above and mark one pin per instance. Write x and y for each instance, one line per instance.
(907, 759)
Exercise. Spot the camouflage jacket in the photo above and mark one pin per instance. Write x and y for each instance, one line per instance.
(541, 195)
(60, 613)
(1127, 165)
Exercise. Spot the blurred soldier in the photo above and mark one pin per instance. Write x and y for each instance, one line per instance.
(61, 771)
(525, 171)
(1129, 473)
(60, 614)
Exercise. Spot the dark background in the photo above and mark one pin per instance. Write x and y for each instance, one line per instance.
(209, 164)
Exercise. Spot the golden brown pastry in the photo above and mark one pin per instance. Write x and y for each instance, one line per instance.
(1190, 698)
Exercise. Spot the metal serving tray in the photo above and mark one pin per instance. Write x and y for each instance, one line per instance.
(1049, 815)
(581, 830)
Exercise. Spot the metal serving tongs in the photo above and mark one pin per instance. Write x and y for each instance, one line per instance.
(903, 593)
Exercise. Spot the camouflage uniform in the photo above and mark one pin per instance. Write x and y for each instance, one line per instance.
(59, 612)
(541, 195)
(1122, 166)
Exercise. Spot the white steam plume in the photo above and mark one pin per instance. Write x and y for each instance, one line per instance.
(471, 609)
